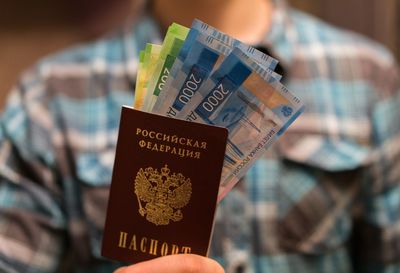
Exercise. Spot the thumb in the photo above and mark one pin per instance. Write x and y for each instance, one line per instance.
(179, 263)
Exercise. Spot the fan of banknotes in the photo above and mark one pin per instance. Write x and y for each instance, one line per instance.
(203, 75)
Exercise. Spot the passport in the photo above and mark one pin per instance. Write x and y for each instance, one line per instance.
(164, 187)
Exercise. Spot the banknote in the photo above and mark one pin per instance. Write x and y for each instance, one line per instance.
(178, 63)
(194, 34)
(187, 77)
(261, 58)
(206, 52)
(172, 44)
(237, 70)
(147, 61)
(255, 108)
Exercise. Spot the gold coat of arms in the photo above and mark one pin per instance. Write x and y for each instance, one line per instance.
(161, 195)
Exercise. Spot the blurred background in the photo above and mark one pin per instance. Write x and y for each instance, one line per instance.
(32, 29)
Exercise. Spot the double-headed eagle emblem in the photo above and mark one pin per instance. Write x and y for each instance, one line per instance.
(162, 193)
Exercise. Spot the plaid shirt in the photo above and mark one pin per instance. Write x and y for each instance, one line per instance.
(325, 198)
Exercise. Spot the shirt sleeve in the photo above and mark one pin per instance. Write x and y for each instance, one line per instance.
(377, 231)
(32, 222)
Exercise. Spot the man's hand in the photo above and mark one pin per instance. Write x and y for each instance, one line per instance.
(181, 263)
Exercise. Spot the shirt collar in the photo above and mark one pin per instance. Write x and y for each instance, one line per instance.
(281, 39)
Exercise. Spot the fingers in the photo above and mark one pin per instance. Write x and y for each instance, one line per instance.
(182, 263)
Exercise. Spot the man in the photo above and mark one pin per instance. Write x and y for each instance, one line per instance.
(325, 198)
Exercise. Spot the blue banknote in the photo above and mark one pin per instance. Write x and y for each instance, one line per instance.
(204, 48)
(182, 84)
(253, 105)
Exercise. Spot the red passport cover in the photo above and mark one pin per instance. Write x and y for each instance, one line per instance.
(164, 187)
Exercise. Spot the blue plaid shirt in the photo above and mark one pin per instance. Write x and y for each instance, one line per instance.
(324, 198)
